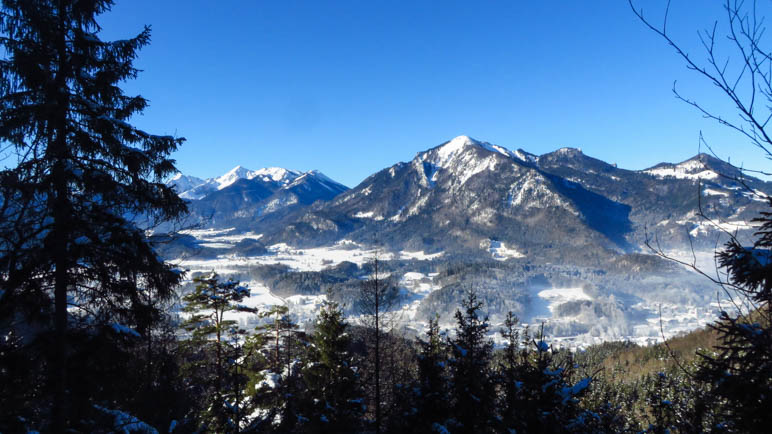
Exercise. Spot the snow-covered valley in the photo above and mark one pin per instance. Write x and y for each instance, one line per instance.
(573, 316)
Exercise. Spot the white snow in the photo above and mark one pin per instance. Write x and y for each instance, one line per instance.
(277, 174)
(525, 156)
(313, 259)
(190, 187)
(417, 205)
(446, 152)
(704, 227)
(229, 235)
(462, 165)
(231, 176)
(558, 296)
(278, 203)
(420, 256)
(368, 215)
(692, 169)
(531, 192)
(713, 192)
(578, 329)
(500, 251)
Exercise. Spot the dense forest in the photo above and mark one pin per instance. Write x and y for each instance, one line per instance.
(96, 336)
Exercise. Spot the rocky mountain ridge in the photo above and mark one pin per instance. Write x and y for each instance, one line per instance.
(559, 237)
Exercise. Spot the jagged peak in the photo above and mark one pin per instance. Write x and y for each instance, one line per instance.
(567, 150)
(276, 174)
(441, 155)
(236, 170)
(231, 176)
(320, 178)
(526, 156)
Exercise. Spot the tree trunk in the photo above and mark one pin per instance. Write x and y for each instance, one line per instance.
(277, 356)
(57, 151)
(377, 353)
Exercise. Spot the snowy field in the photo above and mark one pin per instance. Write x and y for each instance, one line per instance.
(567, 313)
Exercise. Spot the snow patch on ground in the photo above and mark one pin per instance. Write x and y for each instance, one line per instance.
(531, 192)
(419, 256)
(705, 227)
(712, 192)
(558, 296)
(570, 312)
(693, 169)
(229, 235)
(367, 215)
(499, 251)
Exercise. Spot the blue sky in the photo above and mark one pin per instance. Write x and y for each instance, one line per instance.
(351, 87)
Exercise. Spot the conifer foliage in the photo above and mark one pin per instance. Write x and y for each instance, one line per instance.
(433, 382)
(470, 364)
(86, 186)
(333, 400)
(740, 373)
(215, 346)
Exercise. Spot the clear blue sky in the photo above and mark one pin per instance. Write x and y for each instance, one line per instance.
(351, 87)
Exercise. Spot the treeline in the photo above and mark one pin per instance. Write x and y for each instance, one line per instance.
(207, 374)
(217, 377)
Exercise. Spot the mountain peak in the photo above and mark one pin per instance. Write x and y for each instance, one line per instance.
(566, 150)
(231, 176)
(237, 169)
(701, 166)
(277, 174)
(460, 141)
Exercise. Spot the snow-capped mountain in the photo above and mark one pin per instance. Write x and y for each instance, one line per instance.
(702, 166)
(243, 197)
(558, 237)
(469, 195)
(190, 187)
(465, 193)
(184, 183)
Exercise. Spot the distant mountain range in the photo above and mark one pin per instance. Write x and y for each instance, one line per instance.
(244, 197)
(561, 228)
(467, 195)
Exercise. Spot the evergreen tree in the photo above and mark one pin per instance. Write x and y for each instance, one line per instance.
(509, 378)
(216, 346)
(86, 186)
(470, 365)
(433, 389)
(332, 401)
(538, 394)
(273, 364)
(277, 336)
(740, 373)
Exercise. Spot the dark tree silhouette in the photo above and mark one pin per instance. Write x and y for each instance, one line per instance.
(433, 406)
(377, 298)
(333, 400)
(84, 186)
(470, 366)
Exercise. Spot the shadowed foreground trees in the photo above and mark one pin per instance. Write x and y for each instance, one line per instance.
(86, 184)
